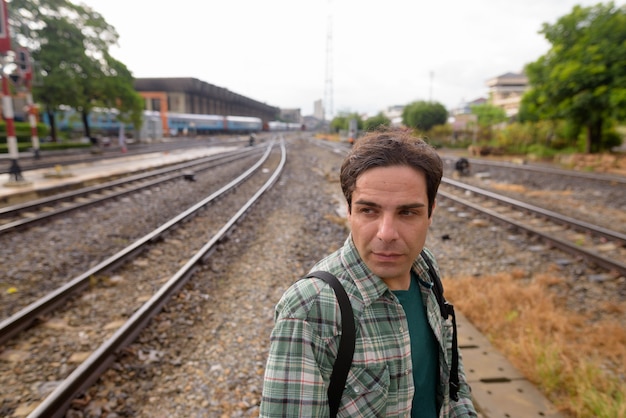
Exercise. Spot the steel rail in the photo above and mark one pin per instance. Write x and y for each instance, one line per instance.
(554, 216)
(550, 170)
(52, 158)
(25, 317)
(162, 176)
(57, 403)
(594, 257)
(84, 191)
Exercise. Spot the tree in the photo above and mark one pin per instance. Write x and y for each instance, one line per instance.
(342, 121)
(424, 115)
(70, 46)
(376, 121)
(60, 84)
(582, 78)
(338, 123)
(488, 115)
(120, 94)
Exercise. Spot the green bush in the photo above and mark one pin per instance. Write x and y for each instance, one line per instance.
(611, 139)
(22, 131)
(539, 137)
(45, 146)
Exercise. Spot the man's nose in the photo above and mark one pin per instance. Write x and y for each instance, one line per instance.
(387, 230)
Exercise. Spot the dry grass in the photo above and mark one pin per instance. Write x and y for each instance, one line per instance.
(577, 362)
(328, 137)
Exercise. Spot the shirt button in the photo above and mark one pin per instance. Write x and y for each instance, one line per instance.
(400, 329)
(357, 389)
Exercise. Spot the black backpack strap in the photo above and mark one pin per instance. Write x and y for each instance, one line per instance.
(447, 309)
(346, 342)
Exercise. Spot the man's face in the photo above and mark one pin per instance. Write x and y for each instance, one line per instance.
(389, 221)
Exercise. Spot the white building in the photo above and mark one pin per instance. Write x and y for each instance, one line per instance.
(506, 91)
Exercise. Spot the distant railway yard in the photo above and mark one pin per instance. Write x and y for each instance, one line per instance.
(214, 277)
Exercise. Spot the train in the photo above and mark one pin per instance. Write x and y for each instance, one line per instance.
(284, 126)
(104, 122)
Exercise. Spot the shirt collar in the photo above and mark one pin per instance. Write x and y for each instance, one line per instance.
(370, 286)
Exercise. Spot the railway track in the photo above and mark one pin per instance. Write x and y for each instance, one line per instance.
(594, 197)
(32, 212)
(192, 222)
(50, 159)
(542, 170)
(601, 246)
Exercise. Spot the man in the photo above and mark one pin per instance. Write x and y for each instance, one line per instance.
(402, 359)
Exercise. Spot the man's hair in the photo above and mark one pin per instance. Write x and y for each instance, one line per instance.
(391, 147)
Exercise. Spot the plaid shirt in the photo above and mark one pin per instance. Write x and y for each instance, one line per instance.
(306, 335)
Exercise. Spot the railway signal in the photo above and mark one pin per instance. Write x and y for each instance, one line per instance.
(26, 70)
(15, 172)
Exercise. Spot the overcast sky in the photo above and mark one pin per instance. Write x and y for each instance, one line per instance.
(384, 53)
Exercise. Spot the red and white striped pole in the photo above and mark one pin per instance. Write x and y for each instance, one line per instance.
(32, 118)
(7, 100)
(23, 59)
(7, 109)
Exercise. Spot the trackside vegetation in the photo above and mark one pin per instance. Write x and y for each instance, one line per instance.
(576, 359)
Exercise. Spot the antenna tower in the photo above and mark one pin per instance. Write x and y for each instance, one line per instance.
(328, 87)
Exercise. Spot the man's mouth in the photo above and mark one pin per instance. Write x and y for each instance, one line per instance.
(386, 256)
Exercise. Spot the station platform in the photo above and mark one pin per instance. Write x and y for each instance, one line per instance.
(43, 181)
(498, 388)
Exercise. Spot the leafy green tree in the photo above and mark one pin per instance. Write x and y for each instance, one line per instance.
(60, 84)
(338, 123)
(424, 115)
(342, 121)
(582, 78)
(69, 44)
(376, 121)
(488, 115)
(120, 94)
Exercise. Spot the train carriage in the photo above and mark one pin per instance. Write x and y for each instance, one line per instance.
(278, 126)
(243, 124)
(104, 122)
(192, 124)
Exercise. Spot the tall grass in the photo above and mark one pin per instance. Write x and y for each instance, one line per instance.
(577, 360)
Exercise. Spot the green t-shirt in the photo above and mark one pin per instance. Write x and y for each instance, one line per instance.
(423, 351)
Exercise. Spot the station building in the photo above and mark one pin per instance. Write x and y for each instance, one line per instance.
(190, 95)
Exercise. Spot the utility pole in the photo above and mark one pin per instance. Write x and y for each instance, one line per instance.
(328, 86)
